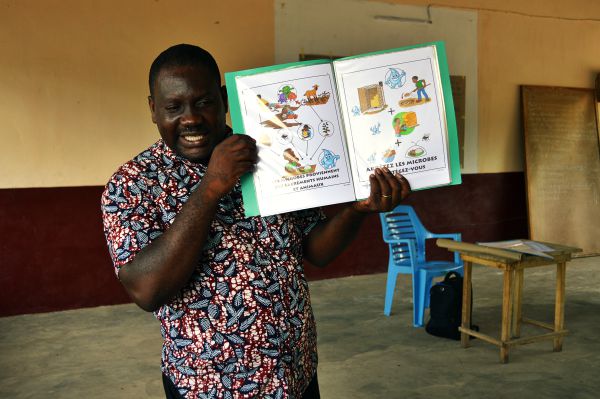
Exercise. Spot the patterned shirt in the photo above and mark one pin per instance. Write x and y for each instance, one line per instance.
(243, 326)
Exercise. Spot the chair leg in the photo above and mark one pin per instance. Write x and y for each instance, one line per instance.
(389, 290)
(427, 288)
(419, 289)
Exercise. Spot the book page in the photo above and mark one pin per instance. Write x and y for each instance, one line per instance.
(394, 114)
(293, 115)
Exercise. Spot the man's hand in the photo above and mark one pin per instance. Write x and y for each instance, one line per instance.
(233, 157)
(387, 190)
(327, 240)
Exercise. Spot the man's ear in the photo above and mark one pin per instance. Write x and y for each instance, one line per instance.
(224, 97)
(151, 105)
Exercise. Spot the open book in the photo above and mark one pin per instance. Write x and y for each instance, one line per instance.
(323, 127)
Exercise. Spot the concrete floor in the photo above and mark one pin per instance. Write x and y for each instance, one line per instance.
(113, 352)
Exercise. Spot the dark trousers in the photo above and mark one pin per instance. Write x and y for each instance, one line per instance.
(312, 391)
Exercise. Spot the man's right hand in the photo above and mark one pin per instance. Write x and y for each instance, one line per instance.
(230, 159)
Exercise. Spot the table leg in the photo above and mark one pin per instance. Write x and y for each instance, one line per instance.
(559, 306)
(466, 303)
(506, 314)
(517, 303)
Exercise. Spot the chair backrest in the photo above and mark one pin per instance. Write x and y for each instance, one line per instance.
(403, 223)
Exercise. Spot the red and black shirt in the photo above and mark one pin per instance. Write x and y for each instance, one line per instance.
(243, 326)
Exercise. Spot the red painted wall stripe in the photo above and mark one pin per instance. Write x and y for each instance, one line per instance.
(52, 251)
(53, 255)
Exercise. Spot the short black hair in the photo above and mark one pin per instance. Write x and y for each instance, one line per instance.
(182, 55)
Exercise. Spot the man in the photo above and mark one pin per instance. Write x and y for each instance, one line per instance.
(420, 85)
(229, 291)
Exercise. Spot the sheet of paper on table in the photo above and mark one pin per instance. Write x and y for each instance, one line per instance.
(524, 246)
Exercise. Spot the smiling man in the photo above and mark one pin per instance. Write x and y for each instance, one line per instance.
(229, 291)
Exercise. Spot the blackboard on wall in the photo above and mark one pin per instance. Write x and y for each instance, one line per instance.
(562, 166)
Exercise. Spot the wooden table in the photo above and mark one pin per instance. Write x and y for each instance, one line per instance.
(513, 264)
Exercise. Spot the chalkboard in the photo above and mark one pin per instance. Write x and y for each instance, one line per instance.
(562, 164)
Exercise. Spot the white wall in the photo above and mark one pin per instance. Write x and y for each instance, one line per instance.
(350, 27)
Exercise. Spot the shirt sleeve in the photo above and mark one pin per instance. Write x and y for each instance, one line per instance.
(307, 219)
(127, 218)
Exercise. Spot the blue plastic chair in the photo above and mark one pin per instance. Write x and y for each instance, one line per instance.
(405, 235)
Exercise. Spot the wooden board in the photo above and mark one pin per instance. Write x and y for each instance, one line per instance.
(598, 105)
(459, 92)
(562, 165)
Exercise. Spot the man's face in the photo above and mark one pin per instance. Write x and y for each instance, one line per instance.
(189, 107)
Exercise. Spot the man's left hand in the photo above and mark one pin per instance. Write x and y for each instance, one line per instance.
(387, 190)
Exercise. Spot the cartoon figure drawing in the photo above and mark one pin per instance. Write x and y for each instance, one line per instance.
(287, 113)
(283, 120)
(328, 159)
(395, 78)
(388, 155)
(372, 158)
(376, 129)
(293, 166)
(311, 94)
(355, 110)
(376, 101)
(420, 86)
(279, 116)
(282, 99)
(404, 123)
(312, 98)
(305, 132)
(286, 94)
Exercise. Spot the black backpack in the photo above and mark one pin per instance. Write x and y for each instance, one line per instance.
(445, 307)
